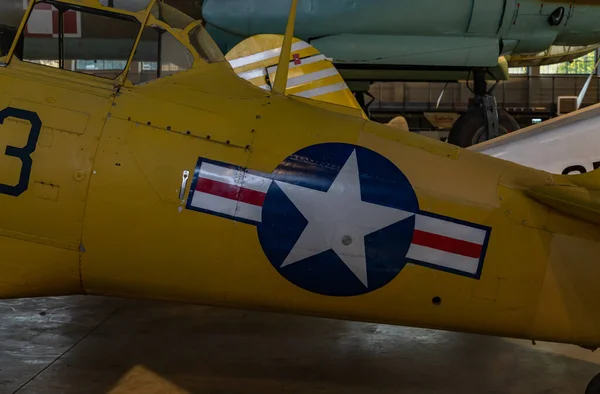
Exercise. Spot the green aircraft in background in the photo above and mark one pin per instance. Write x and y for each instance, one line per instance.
(426, 40)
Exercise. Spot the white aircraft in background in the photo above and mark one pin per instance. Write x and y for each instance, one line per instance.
(568, 144)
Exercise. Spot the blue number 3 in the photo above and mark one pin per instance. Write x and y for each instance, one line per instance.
(24, 153)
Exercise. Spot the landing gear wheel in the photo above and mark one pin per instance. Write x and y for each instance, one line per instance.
(470, 128)
(593, 386)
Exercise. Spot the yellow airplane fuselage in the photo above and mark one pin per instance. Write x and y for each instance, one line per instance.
(102, 211)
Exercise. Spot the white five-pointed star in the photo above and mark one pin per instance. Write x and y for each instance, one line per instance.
(338, 220)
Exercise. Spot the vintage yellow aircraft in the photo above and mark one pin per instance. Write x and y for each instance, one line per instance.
(197, 186)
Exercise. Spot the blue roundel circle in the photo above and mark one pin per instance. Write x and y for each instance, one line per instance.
(338, 219)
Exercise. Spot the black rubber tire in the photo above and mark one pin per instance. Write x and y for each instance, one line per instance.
(593, 386)
(469, 129)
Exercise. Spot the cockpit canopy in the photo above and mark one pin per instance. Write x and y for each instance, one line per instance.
(129, 47)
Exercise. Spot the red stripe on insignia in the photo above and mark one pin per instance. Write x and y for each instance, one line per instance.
(447, 244)
(253, 197)
(231, 192)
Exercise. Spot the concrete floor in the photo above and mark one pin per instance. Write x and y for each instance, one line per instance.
(102, 345)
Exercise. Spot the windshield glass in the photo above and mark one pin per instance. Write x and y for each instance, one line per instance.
(199, 38)
(178, 42)
(206, 47)
(76, 38)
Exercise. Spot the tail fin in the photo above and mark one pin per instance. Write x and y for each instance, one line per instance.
(311, 75)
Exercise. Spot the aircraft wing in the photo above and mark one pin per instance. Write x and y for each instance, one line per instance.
(553, 55)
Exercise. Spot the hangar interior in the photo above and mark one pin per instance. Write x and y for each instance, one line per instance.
(531, 95)
(81, 344)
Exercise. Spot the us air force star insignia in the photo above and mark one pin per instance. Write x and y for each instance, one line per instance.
(338, 219)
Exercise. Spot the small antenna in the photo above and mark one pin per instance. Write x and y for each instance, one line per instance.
(281, 77)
